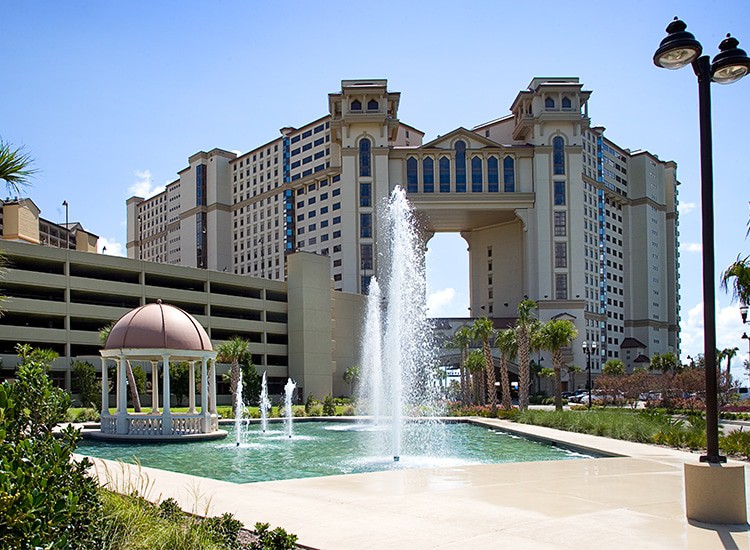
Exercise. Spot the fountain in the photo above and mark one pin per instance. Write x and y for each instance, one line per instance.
(265, 404)
(288, 394)
(398, 374)
(239, 411)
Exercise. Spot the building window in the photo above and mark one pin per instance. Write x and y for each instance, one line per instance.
(411, 175)
(372, 105)
(460, 166)
(493, 175)
(365, 196)
(365, 256)
(509, 175)
(356, 105)
(561, 286)
(558, 156)
(428, 175)
(445, 174)
(561, 229)
(566, 104)
(364, 158)
(561, 255)
(549, 103)
(559, 193)
(476, 175)
(365, 225)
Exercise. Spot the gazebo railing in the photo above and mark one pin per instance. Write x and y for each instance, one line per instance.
(109, 424)
(145, 425)
(185, 424)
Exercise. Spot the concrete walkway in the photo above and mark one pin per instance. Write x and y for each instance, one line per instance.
(633, 500)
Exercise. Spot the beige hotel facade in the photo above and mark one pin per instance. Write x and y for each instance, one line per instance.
(550, 208)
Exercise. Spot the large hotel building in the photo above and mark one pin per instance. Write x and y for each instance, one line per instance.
(551, 209)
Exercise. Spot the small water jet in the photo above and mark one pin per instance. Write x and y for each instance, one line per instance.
(239, 411)
(288, 395)
(265, 404)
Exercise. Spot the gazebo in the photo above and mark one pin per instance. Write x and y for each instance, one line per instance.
(160, 334)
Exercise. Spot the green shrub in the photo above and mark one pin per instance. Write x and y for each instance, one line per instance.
(278, 539)
(348, 410)
(223, 529)
(329, 409)
(315, 410)
(298, 411)
(736, 444)
(170, 510)
(309, 403)
(74, 414)
(85, 383)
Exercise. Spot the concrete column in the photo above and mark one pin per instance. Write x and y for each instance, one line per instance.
(204, 396)
(122, 398)
(191, 391)
(105, 389)
(154, 387)
(167, 411)
(212, 404)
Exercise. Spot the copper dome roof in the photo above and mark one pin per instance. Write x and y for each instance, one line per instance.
(158, 326)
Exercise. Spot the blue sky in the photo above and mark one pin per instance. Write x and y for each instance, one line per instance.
(111, 98)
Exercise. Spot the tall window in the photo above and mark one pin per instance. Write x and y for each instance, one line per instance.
(559, 193)
(561, 229)
(365, 225)
(356, 105)
(558, 156)
(445, 174)
(364, 158)
(460, 167)
(561, 255)
(411, 175)
(561, 286)
(365, 194)
(509, 174)
(365, 252)
(476, 175)
(493, 178)
(428, 175)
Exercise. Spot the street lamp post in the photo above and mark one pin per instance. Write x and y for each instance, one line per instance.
(678, 49)
(67, 231)
(588, 349)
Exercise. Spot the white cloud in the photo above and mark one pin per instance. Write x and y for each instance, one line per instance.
(729, 330)
(143, 186)
(686, 207)
(691, 247)
(439, 300)
(113, 248)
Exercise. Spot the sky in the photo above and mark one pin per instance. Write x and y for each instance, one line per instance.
(111, 98)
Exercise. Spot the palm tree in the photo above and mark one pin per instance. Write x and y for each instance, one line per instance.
(555, 335)
(475, 366)
(739, 271)
(351, 377)
(572, 371)
(526, 325)
(461, 339)
(134, 396)
(507, 343)
(483, 330)
(234, 351)
(729, 354)
(14, 167)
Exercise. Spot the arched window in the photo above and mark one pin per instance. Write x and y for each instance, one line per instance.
(364, 158)
(372, 105)
(509, 174)
(445, 174)
(356, 105)
(428, 175)
(549, 103)
(558, 156)
(411, 176)
(460, 167)
(476, 175)
(566, 104)
(493, 175)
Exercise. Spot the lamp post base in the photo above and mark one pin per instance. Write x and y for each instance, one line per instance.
(715, 493)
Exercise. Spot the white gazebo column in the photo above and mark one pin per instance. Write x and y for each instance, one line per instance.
(154, 387)
(191, 386)
(122, 397)
(212, 404)
(166, 426)
(204, 396)
(105, 389)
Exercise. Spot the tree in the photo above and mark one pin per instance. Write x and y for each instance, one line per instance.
(729, 354)
(251, 382)
(15, 167)
(738, 273)
(475, 366)
(179, 380)
(507, 343)
(526, 326)
(233, 351)
(88, 389)
(613, 367)
(462, 339)
(132, 383)
(351, 377)
(665, 362)
(555, 335)
(483, 330)
(572, 371)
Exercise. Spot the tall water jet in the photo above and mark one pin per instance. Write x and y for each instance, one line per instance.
(239, 411)
(288, 394)
(401, 372)
(265, 404)
(371, 387)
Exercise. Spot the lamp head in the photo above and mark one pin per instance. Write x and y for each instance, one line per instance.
(731, 63)
(593, 347)
(745, 336)
(743, 313)
(585, 346)
(678, 49)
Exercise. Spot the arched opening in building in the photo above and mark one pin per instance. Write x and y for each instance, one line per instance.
(447, 267)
